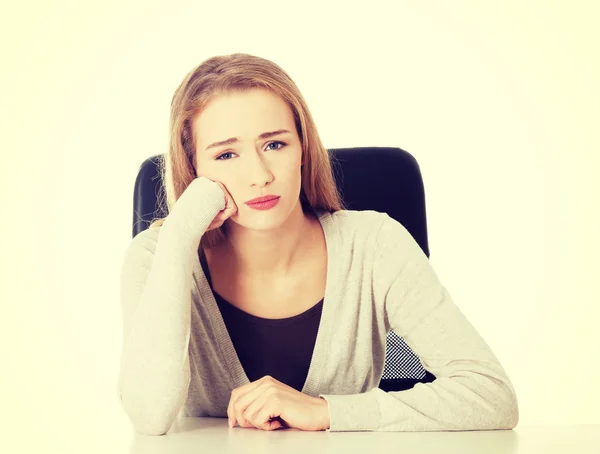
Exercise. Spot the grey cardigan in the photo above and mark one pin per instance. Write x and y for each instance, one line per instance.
(178, 358)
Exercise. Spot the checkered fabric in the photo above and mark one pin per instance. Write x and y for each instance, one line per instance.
(400, 360)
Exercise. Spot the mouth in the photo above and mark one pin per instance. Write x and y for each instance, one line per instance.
(264, 204)
(266, 198)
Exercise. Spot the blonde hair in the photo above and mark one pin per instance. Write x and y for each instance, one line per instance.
(241, 72)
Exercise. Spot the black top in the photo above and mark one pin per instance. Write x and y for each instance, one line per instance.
(281, 348)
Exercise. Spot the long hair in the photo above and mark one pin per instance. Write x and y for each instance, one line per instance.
(241, 72)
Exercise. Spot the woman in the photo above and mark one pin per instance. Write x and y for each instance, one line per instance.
(276, 314)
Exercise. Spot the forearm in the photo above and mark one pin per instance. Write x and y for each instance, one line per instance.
(154, 371)
(156, 295)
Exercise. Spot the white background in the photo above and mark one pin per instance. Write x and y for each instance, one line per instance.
(497, 100)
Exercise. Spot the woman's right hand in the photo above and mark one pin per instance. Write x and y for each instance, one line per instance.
(229, 210)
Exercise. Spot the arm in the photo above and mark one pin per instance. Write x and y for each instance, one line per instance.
(156, 301)
(471, 391)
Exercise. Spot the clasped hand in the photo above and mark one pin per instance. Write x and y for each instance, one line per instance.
(269, 404)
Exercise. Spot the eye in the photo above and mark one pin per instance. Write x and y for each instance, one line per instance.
(283, 144)
(277, 141)
(218, 158)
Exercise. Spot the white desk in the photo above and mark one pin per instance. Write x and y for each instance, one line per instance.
(213, 435)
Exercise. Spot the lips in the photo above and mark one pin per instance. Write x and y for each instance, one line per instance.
(262, 199)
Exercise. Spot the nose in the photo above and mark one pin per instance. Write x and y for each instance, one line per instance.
(258, 170)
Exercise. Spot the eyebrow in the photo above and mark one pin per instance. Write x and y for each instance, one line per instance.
(231, 140)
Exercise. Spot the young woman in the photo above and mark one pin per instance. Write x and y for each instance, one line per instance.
(275, 314)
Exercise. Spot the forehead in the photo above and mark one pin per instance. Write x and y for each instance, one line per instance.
(241, 114)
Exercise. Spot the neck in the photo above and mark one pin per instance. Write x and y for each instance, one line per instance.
(265, 253)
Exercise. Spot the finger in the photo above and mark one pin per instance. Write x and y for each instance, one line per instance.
(242, 390)
(257, 412)
(275, 424)
(224, 213)
(230, 204)
(263, 411)
(244, 401)
(240, 411)
(235, 395)
(230, 211)
(271, 425)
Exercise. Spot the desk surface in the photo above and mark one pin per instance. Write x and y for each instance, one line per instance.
(194, 435)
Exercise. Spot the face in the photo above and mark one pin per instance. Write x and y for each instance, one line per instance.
(250, 166)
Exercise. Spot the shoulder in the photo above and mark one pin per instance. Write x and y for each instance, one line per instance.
(356, 226)
(366, 221)
(371, 227)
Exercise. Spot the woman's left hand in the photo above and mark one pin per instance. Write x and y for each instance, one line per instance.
(257, 404)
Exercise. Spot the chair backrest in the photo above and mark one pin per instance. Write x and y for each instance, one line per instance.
(383, 179)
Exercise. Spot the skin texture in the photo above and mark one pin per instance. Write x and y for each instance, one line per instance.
(264, 247)
(263, 244)
(269, 404)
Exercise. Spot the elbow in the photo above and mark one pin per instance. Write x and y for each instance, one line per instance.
(152, 427)
(511, 412)
(153, 411)
(505, 415)
(149, 416)
(145, 421)
(499, 410)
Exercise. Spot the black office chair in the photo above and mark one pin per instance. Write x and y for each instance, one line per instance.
(382, 179)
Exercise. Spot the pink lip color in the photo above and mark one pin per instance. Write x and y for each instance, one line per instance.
(264, 205)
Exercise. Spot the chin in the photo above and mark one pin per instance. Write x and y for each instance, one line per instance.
(265, 225)
(261, 220)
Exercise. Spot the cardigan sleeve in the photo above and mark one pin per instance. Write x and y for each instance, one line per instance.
(472, 390)
(155, 293)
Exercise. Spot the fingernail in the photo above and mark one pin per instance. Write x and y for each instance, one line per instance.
(229, 420)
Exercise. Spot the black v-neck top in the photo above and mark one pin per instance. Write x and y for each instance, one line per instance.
(281, 348)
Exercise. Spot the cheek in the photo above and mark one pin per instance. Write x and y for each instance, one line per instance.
(293, 166)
